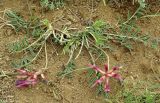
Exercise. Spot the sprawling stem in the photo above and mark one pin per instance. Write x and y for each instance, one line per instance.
(104, 1)
(132, 16)
(34, 57)
(46, 55)
(71, 56)
(46, 35)
(104, 53)
(80, 50)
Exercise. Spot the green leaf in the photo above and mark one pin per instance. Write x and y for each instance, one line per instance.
(99, 25)
(142, 3)
(45, 22)
(154, 44)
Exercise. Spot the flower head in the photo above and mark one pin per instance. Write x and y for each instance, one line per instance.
(106, 74)
(25, 78)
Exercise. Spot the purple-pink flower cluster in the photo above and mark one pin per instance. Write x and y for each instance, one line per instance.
(106, 75)
(26, 78)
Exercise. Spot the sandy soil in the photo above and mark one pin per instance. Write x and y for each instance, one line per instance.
(139, 64)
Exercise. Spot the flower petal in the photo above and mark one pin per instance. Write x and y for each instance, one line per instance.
(97, 69)
(107, 87)
(21, 84)
(22, 71)
(117, 76)
(99, 81)
(115, 68)
(106, 68)
(25, 83)
(21, 76)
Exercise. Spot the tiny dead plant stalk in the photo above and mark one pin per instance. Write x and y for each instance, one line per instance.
(104, 2)
(154, 72)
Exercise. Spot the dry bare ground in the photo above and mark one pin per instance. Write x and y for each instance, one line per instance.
(141, 66)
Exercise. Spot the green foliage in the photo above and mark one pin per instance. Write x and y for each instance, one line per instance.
(92, 78)
(142, 3)
(72, 44)
(146, 97)
(52, 4)
(32, 26)
(46, 22)
(36, 27)
(37, 32)
(22, 63)
(99, 54)
(2, 101)
(90, 74)
(94, 36)
(140, 12)
(16, 20)
(19, 45)
(99, 25)
(97, 30)
(155, 43)
(141, 92)
(68, 69)
(131, 32)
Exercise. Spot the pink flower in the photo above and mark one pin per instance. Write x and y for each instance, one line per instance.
(25, 83)
(106, 75)
(25, 78)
